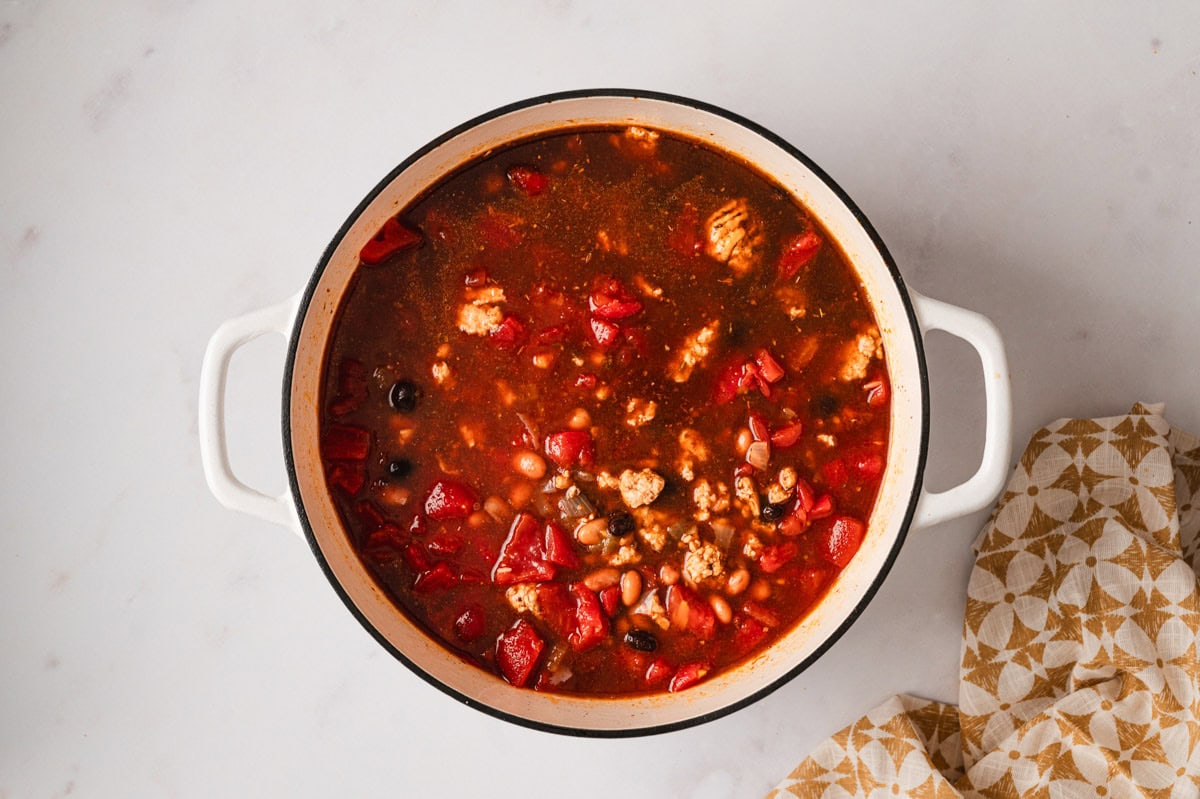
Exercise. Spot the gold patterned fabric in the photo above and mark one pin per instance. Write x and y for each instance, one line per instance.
(1079, 670)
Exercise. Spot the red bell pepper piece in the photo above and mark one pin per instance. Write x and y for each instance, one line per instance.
(391, 238)
(448, 499)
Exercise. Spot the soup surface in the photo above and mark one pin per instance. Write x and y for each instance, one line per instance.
(605, 412)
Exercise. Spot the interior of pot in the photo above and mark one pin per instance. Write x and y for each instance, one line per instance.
(857, 581)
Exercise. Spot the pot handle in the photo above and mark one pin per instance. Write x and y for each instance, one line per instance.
(983, 486)
(214, 453)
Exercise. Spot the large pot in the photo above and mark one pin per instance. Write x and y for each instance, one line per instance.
(903, 316)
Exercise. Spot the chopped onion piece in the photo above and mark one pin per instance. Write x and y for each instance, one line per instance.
(758, 455)
(722, 534)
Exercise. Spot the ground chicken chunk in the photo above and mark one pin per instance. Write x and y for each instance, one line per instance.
(703, 563)
(524, 599)
(858, 355)
(693, 444)
(607, 481)
(695, 349)
(651, 529)
(752, 546)
(641, 487)
(710, 500)
(733, 237)
(747, 496)
(626, 555)
(478, 320)
(639, 411)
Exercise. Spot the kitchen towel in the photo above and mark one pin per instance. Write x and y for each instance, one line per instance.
(1079, 673)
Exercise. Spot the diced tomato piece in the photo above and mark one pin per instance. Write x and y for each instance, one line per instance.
(558, 608)
(610, 600)
(509, 334)
(795, 522)
(350, 476)
(809, 584)
(835, 473)
(370, 515)
(743, 470)
(558, 546)
(591, 624)
(418, 526)
(343, 442)
(688, 675)
(611, 301)
(586, 381)
(822, 507)
(612, 309)
(439, 578)
(448, 499)
(758, 426)
(728, 383)
(774, 556)
(684, 236)
(688, 611)
(445, 543)
(476, 278)
(878, 392)
(517, 651)
(748, 633)
(471, 623)
(352, 387)
(416, 558)
(867, 466)
(805, 497)
(839, 541)
(749, 376)
(529, 181)
(659, 672)
(787, 435)
(570, 448)
(761, 613)
(391, 238)
(768, 367)
(383, 544)
(523, 554)
(606, 334)
(797, 253)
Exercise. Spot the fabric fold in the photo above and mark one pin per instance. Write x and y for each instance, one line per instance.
(1079, 672)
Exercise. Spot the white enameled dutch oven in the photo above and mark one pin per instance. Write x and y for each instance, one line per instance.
(904, 316)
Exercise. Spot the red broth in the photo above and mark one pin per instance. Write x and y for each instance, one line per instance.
(605, 412)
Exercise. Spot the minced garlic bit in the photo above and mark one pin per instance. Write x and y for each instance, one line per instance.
(696, 348)
(640, 488)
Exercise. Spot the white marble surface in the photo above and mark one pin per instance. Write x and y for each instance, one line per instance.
(167, 165)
